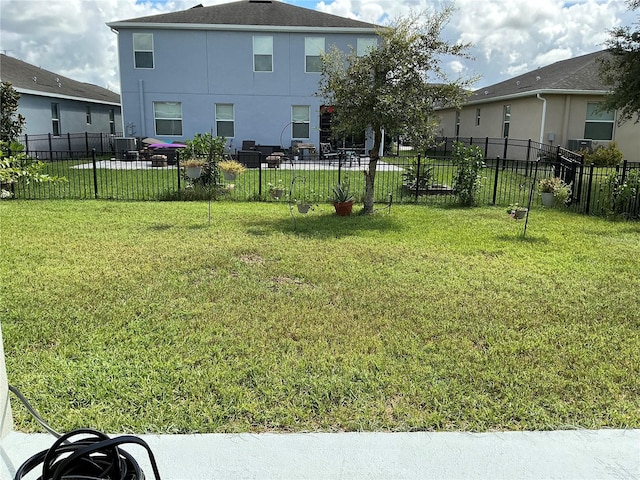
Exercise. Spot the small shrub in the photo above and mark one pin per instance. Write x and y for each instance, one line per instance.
(468, 179)
(624, 196)
(603, 156)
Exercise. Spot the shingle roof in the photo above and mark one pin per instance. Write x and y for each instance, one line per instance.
(251, 12)
(578, 73)
(24, 76)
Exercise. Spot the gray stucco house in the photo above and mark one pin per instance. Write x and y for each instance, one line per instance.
(246, 70)
(57, 105)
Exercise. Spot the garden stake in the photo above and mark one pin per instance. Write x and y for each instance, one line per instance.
(533, 185)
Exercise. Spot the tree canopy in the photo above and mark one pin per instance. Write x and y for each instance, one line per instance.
(396, 87)
(621, 71)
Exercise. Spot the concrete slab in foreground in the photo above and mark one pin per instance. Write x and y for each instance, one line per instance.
(576, 454)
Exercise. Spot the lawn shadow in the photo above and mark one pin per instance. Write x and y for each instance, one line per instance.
(323, 223)
(530, 238)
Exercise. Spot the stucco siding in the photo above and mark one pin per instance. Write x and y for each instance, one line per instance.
(201, 68)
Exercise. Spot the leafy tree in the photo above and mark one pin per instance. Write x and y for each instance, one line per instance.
(621, 71)
(394, 88)
(11, 124)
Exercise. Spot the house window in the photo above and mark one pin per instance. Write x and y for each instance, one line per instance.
(112, 121)
(477, 117)
(300, 121)
(506, 120)
(365, 45)
(55, 119)
(599, 124)
(168, 118)
(88, 115)
(457, 123)
(313, 48)
(262, 54)
(225, 123)
(143, 50)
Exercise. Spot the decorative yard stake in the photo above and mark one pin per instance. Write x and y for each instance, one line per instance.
(533, 186)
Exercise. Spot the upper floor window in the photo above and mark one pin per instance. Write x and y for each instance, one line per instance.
(477, 117)
(168, 118)
(599, 124)
(88, 115)
(143, 50)
(300, 121)
(365, 45)
(225, 122)
(506, 120)
(55, 119)
(262, 53)
(313, 48)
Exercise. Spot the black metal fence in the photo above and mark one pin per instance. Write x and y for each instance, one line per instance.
(68, 145)
(512, 169)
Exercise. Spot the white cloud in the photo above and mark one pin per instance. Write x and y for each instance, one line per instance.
(70, 37)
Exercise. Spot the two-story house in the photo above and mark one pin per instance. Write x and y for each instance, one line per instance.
(56, 105)
(246, 70)
(556, 104)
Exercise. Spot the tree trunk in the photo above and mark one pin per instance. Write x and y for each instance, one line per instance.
(370, 173)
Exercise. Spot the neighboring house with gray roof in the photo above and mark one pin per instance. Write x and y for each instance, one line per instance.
(54, 104)
(246, 70)
(555, 104)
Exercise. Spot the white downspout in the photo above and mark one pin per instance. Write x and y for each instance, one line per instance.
(544, 116)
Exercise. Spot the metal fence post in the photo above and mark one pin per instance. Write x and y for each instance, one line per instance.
(95, 173)
(86, 140)
(418, 179)
(178, 168)
(589, 185)
(495, 180)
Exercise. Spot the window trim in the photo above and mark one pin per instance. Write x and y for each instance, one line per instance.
(88, 114)
(457, 123)
(611, 122)
(308, 52)
(270, 37)
(363, 50)
(295, 122)
(506, 119)
(232, 121)
(153, 59)
(55, 119)
(156, 118)
(478, 111)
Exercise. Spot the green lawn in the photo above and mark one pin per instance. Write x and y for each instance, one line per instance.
(144, 317)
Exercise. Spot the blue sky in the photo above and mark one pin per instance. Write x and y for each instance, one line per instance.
(509, 37)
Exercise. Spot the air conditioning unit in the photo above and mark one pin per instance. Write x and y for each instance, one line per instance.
(578, 144)
(124, 145)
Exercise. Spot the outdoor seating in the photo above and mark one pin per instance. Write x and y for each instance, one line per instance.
(327, 153)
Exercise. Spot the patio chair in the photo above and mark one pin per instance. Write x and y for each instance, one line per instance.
(327, 153)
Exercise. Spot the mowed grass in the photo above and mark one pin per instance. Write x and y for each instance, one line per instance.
(145, 317)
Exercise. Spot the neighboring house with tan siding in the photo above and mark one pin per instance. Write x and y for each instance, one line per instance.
(554, 105)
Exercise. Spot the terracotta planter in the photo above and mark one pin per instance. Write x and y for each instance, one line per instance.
(343, 209)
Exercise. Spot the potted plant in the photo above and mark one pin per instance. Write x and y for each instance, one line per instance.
(553, 191)
(193, 167)
(342, 200)
(231, 169)
(304, 200)
(276, 190)
(517, 211)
